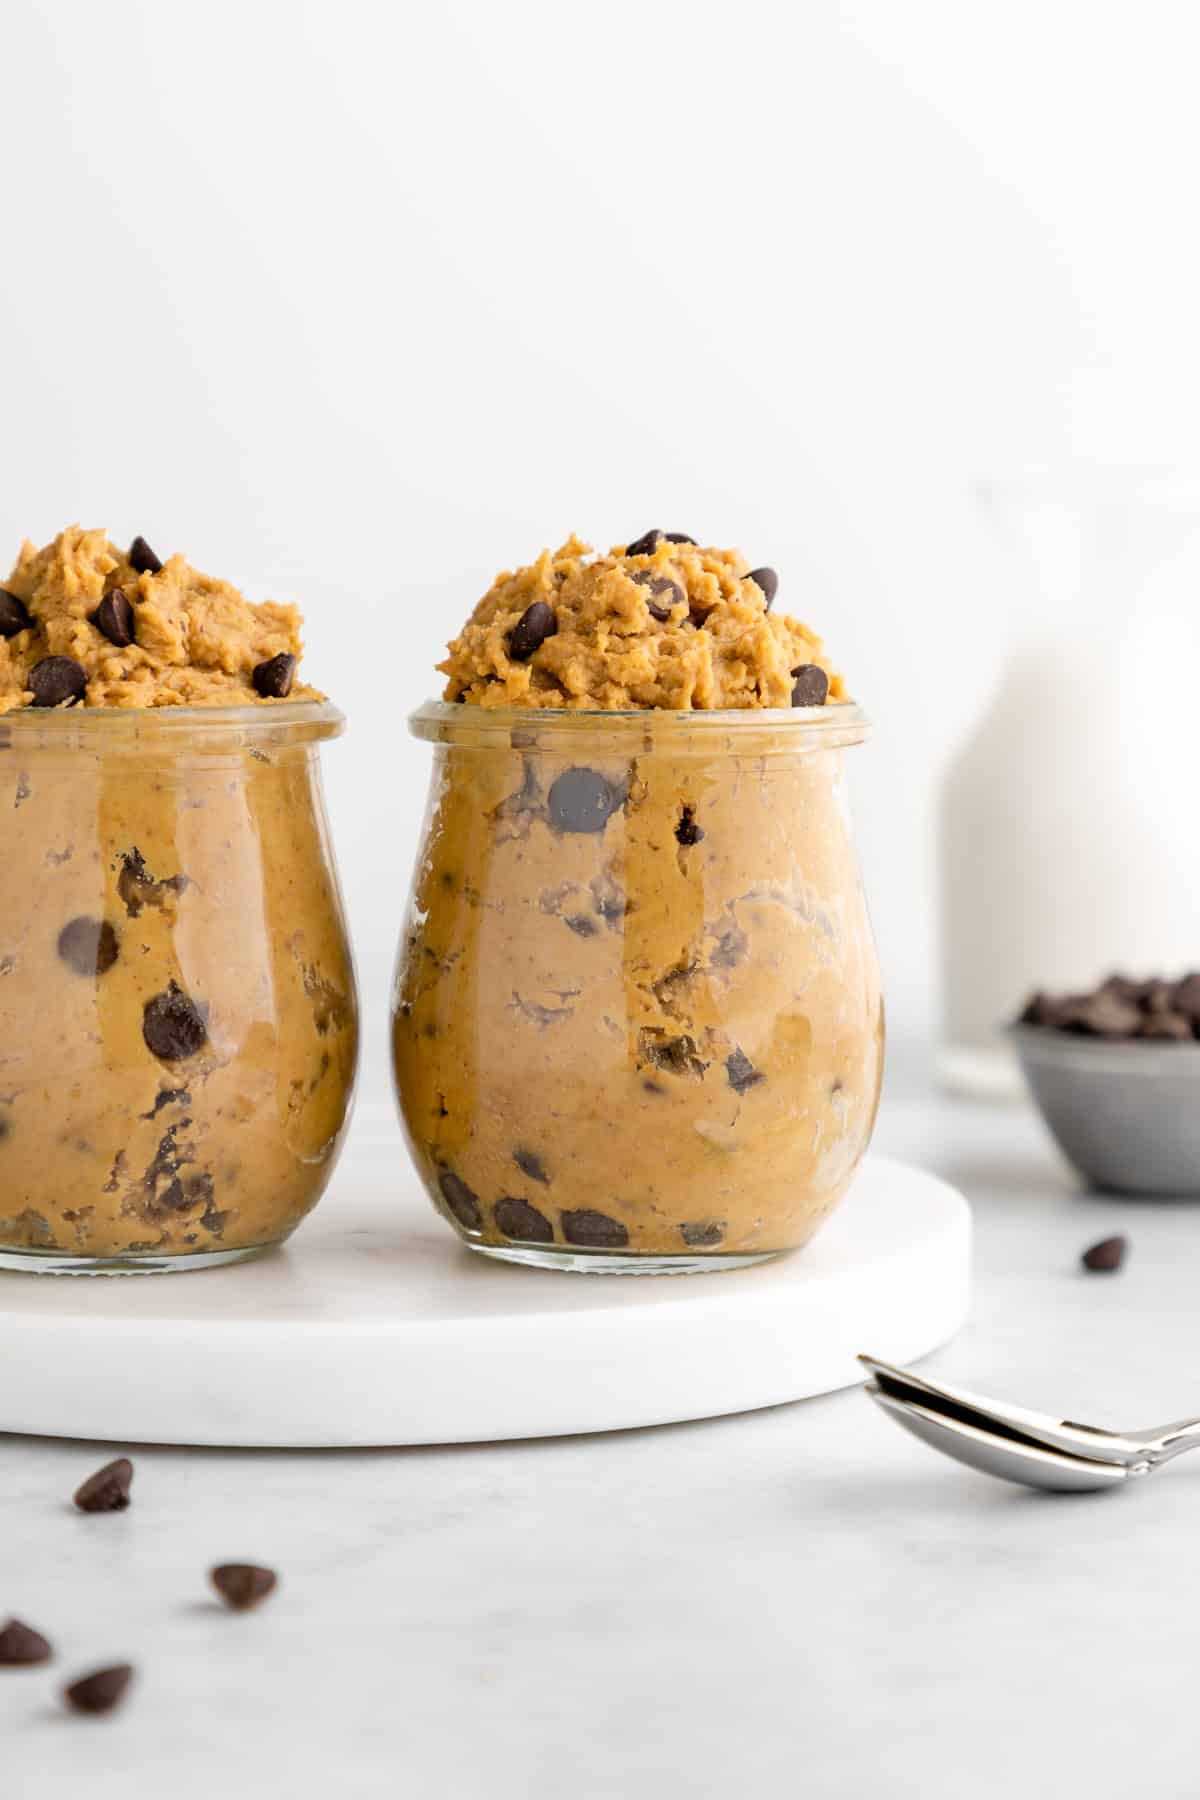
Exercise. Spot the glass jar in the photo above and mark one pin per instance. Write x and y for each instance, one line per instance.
(178, 1018)
(637, 1022)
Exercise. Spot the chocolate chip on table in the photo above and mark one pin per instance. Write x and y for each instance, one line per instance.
(13, 616)
(1187, 996)
(687, 832)
(811, 685)
(1107, 1256)
(659, 586)
(108, 1489)
(678, 537)
(273, 679)
(768, 581)
(462, 1200)
(173, 1025)
(703, 1234)
(1168, 1028)
(583, 800)
(517, 1219)
(89, 946)
(143, 558)
(646, 545)
(741, 1072)
(243, 1585)
(57, 679)
(531, 1164)
(101, 1691)
(114, 618)
(595, 1229)
(21, 1645)
(537, 623)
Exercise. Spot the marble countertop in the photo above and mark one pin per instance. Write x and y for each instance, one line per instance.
(801, 1601)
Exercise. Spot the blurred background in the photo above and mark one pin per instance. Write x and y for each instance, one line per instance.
(356, 305)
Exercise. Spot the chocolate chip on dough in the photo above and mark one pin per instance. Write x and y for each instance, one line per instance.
(101, 1691)
(114, 618)
(595, 1229)
(531, 1164)
(537, 623)
(646, 545)
(13, 616)
(811, 685)
(741, 1072)
(1105, 1257)
(687, 832)
(273, 679)
(517, 1219)
(582, 800)
(243, 1585)
(660, 585)
(462, 1200)
(768, 581)
(678, 537)
(55, 679)
(143, 558)
(21, 1645)
(108, 1489)
(173, 1025)
(703, 1234)
(89, 946)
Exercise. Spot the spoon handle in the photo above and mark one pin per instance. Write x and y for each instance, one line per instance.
(1169, 1441)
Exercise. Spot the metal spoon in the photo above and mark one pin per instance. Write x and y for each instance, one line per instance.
(1018, 1444)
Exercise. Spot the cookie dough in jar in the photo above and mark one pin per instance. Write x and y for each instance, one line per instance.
(637, 1020)
(178, 1019)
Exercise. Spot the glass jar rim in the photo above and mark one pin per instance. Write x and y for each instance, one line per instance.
(744, 731)
(161, 728)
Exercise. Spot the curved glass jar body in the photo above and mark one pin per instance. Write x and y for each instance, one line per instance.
(178, 1019)
(637, 1020)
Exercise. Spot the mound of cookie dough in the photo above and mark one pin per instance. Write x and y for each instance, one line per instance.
(84, 622)
(659, 622)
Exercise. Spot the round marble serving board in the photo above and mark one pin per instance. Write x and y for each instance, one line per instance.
(374, 1327)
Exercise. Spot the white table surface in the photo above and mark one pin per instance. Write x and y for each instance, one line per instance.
(799, 1602)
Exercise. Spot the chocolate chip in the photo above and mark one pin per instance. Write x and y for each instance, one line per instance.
(580, 924)
(768, 581)
(582, 800)
(108, 1489)
(678, 537)
(673, 1055)
(273, 679)
(56, 679)
(173, 1025)
(659, 586)
(532, 1165)
(13, 616)
(811, 685)
(243, 1585)
(137, 887)
(462, 1200)
(1167, 1028)
(114, 617)
(1107, 1256)
(1187, 996)
(687, 832)
(89, 946)
(645, 545)
(594, 1228)
(21, 1645)
(100, 1692)
(537, 623)
(703, 1234)
(741, 1072)
(143, 558)
(517, 1219)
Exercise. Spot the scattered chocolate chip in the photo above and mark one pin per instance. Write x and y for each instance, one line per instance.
(673, 1055)
(13, 616)
(57, 679)
(580, 924)
(462, 1200)
(687, 832)
(143, 558)
(582, 800)
(114, 618)
(1167, 1027)
(1121, 1008)
(173, 1026)
(137, 887)
(108, 1489)
(100, 1692)
(1107, 1256)
(532, 1165)
(89, 946)
(517, 1219)
(742, 1072)
(811, 685)
(660, 585)
(768, 581)
(273, 679)
(678, 537)
(1187, 996)
(243, 1585)
(20, 1646)
(596, 1229)
(703, 1234)
(537, 623)
(646, 545)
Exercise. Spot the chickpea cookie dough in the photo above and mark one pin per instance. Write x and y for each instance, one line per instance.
(638, 1010)
(178, 1022)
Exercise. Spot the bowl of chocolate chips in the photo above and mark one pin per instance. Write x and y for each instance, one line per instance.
(1116, 1074)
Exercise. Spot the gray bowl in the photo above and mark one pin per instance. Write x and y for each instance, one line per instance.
(1127, 1114)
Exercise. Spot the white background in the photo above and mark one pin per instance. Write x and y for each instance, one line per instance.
(355, 304)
